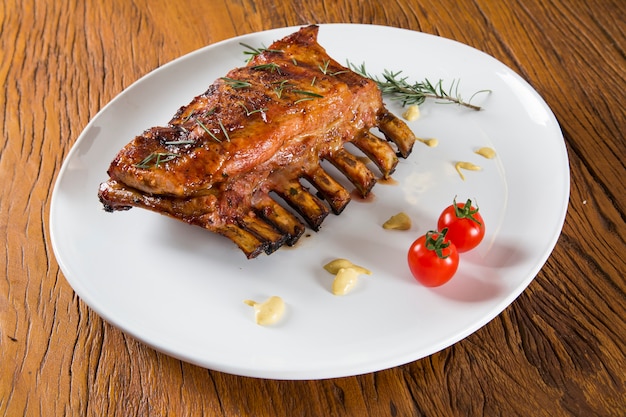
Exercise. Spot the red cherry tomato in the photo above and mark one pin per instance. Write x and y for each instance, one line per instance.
(433, 259)
(465, 225)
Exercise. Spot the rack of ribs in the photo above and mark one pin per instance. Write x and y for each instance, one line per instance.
(236, 160)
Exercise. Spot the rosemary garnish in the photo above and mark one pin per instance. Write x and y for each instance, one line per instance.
(255, 51)
(180, 142)
(236, 83)
(281, 86)
(155, 159)
(223, 130)
(310, 95)
(271, 67)
(416, 93)
(194, 115)
(206, 129)
(250, 112)
(324, 68)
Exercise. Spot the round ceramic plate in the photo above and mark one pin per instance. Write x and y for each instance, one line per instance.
(180, 289)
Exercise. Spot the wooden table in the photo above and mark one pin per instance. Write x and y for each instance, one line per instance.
(557, 350)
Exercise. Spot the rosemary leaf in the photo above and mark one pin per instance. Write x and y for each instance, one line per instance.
(236, 83)
(206, 129)
(250, 112)
(303, 99)
(324, 68)
(155, 159)
(281, 86)
(271, 67)
(308, 93)
(252, 51)
(180, 142)
(223, 130)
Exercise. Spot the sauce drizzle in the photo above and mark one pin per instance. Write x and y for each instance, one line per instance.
(465, 165)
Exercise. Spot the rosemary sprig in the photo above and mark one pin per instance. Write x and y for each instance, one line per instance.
(224, 131)
(400, 89)
(215, 138)
(309, 95)
(281, 85)
(251, 112)
(206, 129)
(180, 142)
(155, 159)
(252, 51)
(236, 83)
(324, 68)
(194, 115)
(271, 67)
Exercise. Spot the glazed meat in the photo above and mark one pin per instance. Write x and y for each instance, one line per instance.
(240, 158)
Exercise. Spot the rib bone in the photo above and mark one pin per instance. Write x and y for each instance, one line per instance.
(378, 151)
(280, 218)
(336, 196)
(356, 171)
(398, 132)
(311, 208)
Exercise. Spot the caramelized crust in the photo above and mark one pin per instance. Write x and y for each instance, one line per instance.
(260, 129)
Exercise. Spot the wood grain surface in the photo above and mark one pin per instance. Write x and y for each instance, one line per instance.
(558, 350)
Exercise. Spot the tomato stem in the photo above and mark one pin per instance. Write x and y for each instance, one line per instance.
(466, 211)
(435, 241)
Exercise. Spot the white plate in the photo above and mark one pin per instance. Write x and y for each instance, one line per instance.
(180, 289)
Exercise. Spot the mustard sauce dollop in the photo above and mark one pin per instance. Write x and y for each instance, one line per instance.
(269, 311)
(486, 152)
(346, 275)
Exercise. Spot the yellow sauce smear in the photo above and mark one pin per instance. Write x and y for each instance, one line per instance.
(346, 275)
(431, 143)
(486, 152)
(465, 165)
(412, 113)
(345, 281)
(269, 311)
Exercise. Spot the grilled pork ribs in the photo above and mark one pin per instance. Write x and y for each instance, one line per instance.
(226, 160)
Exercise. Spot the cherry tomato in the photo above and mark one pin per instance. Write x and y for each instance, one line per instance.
(465, 225)
(433, 259)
